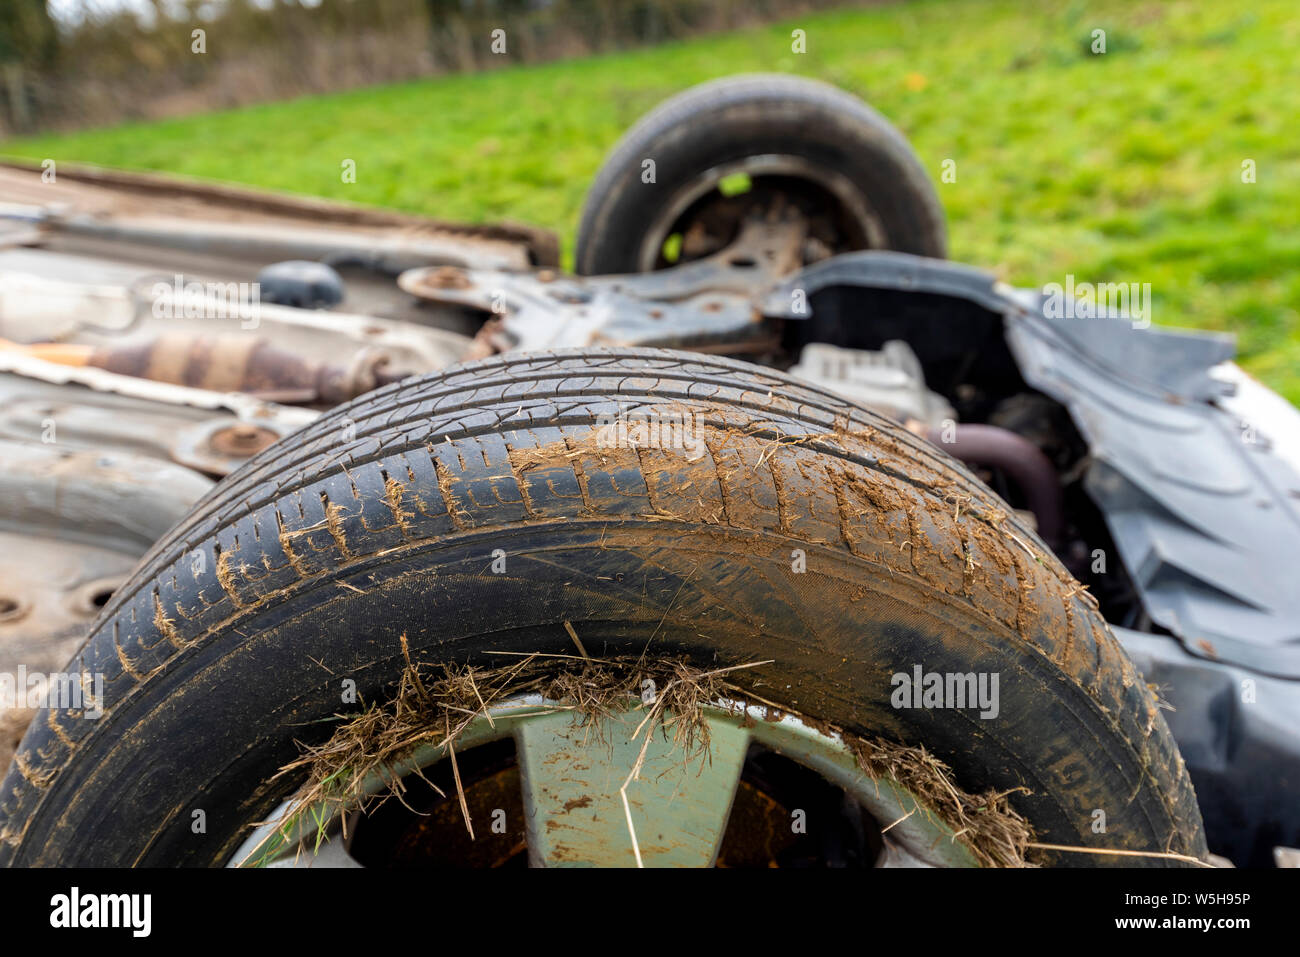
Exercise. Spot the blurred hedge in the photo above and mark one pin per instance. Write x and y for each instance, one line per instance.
(109, 63)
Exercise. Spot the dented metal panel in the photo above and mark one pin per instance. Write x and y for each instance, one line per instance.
(165, 210)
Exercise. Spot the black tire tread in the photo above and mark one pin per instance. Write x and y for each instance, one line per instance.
(670, 125)
(417, 432)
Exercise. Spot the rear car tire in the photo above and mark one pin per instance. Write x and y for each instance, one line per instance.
(817, 132)
(801, 529)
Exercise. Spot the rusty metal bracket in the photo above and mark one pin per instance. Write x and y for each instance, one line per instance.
(706, 305)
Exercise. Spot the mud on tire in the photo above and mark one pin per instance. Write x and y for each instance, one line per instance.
(382, 517)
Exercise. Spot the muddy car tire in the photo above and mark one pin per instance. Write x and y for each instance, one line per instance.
(830, 136)
(797, 528)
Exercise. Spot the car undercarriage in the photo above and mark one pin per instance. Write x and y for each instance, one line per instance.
(160, 335)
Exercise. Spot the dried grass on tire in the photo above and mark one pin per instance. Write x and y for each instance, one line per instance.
(434, 711)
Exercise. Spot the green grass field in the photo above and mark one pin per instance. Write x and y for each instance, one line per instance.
(1125, 166)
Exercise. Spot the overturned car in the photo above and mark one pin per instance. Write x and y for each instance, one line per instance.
(331, 536)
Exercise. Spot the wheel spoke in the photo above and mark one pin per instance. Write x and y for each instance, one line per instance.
(331, 854)
(582, 806)
(574, 776)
